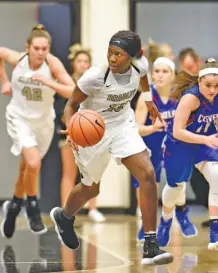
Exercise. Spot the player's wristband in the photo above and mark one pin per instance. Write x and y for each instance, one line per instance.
(147, 96)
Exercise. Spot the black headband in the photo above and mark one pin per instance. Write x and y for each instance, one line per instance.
(119, 42)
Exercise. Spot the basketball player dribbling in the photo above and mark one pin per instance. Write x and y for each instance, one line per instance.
(109, 93)
(30, 119)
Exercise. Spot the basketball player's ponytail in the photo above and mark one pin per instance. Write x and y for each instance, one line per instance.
(38, 31)
(39, 27)
(185, 80)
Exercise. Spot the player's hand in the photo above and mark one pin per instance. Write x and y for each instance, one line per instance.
(73, 145)
(6, 89)
(212, 141)
(159, 126)
(38, 77)
(69, 141)
(152, 109)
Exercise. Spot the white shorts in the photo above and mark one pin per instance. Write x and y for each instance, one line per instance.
(119, 141)
(26, 134)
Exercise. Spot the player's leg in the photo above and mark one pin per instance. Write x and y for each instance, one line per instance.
(210, 172)
(69, 171)
(43, 134)
(178, 166)
(11, 209)
(32, 159)
(141, 167)
(129, 147)
(80, 194)
(156, 161)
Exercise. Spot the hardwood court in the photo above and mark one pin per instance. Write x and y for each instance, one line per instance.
(108, 247)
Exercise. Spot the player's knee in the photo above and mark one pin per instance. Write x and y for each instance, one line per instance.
(95, 190)
(170, 195)
(146, 175)
(33, 164)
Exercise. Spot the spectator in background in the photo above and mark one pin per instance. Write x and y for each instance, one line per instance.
(191, 62)
(80, 60)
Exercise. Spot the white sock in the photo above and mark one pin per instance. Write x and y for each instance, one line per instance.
(167, 216)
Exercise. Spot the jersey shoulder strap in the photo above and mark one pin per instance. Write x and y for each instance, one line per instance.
(136, 68)
(22, 57)
(106, 74)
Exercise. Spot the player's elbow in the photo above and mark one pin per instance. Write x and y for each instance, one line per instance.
(2, 53)
(176, 133)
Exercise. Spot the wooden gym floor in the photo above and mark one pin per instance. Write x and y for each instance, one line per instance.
(109, 247)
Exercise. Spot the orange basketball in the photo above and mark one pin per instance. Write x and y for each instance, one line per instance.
(86, 128)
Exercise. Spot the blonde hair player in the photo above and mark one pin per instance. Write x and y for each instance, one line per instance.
(80, 60)
(163, 74)
(36, 77)
(109, 93)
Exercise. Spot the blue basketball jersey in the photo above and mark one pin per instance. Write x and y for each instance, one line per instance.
(203, 120)
(167, 111)
(154, 141)
(181, 156)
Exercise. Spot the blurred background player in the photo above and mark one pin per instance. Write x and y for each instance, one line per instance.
(30, 119)
(195, 142)
(163, 73)
(80, 59)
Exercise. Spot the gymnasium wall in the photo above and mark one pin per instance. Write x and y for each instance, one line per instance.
(16, 21)
(180, 24)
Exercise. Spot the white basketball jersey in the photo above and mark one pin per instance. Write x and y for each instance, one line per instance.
(112, 100)
(30, 99)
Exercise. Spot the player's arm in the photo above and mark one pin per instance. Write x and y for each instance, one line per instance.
(9, 56)
(90, 82)
(147, 98)
(64, 85)
(141, 113)
(187, 104)
(12, 57)
(73, 103)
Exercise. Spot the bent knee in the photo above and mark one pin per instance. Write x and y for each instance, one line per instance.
(95, 190)
(146, 175)
(33, 164)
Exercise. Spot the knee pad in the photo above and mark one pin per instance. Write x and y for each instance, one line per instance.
(210, 172)
(170, 195)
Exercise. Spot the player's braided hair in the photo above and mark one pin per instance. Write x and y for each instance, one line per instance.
(132, 39)
(185, 80)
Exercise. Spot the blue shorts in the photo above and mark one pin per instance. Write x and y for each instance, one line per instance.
(178, 162)
(205, 153)
(156, 159)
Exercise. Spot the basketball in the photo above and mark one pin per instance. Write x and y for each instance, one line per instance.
(86, 128)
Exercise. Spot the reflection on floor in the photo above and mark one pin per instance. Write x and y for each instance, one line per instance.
(108, 247)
